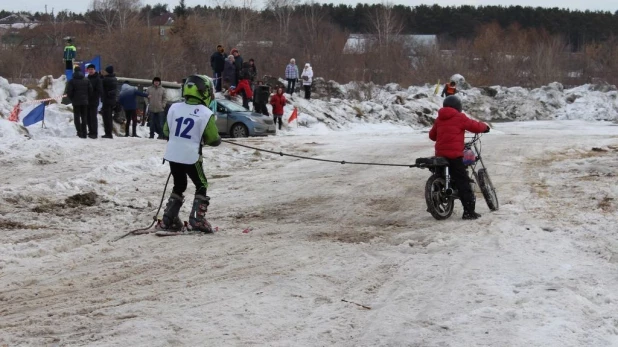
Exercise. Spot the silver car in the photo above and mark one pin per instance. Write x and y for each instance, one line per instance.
(236, 121)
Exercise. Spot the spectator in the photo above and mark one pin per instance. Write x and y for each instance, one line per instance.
(129, 104)
(229, 73)
(449, 89)
(70, 52)
(156, 108)
(278, 101)
(93, 101)
(217, 62)
(260, 98)
(291, 75)
(243, 88)
(252, 70)
(307, 77)
(110, 85)
(237, 62)
(79, 90)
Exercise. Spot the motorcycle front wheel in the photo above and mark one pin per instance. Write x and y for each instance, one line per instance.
(439, 204)
(488, 190)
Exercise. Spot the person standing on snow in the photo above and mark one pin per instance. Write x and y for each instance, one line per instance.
(129, 104)
(70, 53)
(278, 101)
(448, 133)
(79, 91)
(229, 73)
(238, 63)
(307, 77)
(291, 75)
(217, 62)
(93, 101)
(110, 86)
(156, 108)
(189, 126)
(449, 89)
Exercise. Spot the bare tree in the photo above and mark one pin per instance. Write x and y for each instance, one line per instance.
(114, 13)
(283, 10)
(386, 24)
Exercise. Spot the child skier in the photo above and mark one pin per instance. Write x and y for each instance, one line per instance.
(448, 132)
(189, 126)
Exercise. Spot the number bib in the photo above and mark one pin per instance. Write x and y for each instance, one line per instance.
(186, 124)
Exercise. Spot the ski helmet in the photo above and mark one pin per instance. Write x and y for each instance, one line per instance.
(199, 87)
(452, 101)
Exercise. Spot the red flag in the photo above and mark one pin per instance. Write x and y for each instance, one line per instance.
(293, 116)
(14, 117)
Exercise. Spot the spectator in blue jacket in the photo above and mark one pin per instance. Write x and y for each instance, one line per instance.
(129, 104)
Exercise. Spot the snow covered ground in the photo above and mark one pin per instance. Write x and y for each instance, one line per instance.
(335, 255)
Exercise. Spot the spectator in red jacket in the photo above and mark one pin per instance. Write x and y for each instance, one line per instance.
(448, 132)
(278, 101)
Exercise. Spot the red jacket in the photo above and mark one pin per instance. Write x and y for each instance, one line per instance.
(278, 101)
(242, 85)
(448, 132)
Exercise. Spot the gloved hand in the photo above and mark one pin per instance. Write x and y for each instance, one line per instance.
(486, 131)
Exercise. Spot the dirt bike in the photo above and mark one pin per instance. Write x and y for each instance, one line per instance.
(440, 195)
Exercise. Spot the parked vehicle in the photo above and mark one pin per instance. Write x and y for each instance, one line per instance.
(440, 194)
(233, 120)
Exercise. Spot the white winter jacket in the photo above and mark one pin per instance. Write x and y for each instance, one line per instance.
(308, 71)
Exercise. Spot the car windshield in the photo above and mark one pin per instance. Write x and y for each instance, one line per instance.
(232, 106)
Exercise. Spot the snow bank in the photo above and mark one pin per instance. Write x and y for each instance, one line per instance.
(342, 107)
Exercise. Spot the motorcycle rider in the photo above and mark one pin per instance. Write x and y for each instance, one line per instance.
(448, 133)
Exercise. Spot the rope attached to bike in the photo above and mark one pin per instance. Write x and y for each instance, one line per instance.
(317, 159)
(154, 219)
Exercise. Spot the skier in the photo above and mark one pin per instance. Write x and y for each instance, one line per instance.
(189, 126)
(448, 132)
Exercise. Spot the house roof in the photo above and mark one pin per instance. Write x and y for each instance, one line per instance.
(358, 43)
(165, 19)
(17, 21)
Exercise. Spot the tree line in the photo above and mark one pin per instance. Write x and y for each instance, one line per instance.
(488, 44)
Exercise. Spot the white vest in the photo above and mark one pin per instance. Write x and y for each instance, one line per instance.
(186, 124)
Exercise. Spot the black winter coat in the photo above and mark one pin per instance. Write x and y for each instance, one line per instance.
(97, 89)
(217, 62)
(79, 89)
(110, 89)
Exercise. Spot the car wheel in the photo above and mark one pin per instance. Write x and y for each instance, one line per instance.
(239, 130)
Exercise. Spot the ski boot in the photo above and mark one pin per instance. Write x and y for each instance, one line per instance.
(197, 219)
(469, 211)
(170, 216)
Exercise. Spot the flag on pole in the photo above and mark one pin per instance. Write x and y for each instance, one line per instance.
(293, 116)
(14, 117)
(35, 116)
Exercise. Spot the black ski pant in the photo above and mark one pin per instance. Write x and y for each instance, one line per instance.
(307, 92)
(195, 173)
(93, 122)
(260, 107)
(291, 86)
(80, 118)
(278, 118)
(461, 181)
(107, 119)
(131, 116)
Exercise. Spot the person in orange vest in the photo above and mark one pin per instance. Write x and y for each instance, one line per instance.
(449, 89)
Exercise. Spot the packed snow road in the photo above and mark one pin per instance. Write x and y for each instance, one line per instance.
(331, 254)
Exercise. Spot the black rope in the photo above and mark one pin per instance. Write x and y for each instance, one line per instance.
(154, 219)
(317, 159)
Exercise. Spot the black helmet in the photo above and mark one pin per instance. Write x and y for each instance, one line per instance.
(452, 101)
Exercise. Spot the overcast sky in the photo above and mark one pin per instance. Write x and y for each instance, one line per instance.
(82, 6)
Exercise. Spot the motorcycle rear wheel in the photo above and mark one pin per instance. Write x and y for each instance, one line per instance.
(439, 204)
